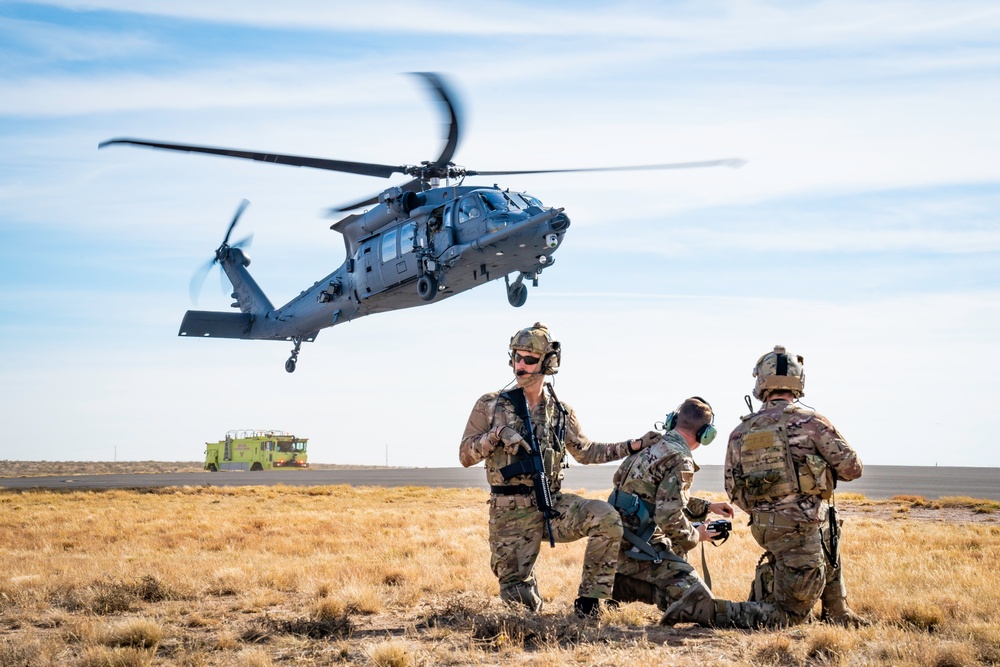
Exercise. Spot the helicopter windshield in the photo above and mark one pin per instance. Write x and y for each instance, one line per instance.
(496, 201)
(523, 200)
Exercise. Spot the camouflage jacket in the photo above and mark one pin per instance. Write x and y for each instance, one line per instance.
(492, 410)
(661, 475)
(819, 454)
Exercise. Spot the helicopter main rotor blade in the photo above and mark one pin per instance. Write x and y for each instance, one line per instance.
(363, 168)
(734, 163)
(436, 83)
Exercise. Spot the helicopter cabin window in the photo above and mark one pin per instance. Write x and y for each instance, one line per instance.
(389, 245)
(406, 235)
(471, 207)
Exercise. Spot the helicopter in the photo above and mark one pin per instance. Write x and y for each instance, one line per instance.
(419, 242)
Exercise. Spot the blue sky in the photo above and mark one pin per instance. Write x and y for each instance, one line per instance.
(864, 232)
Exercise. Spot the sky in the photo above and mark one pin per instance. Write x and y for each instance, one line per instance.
(863, 233)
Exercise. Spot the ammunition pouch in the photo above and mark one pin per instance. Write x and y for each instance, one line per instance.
(816, 477)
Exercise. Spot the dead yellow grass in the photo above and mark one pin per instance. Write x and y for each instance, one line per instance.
(400, 576)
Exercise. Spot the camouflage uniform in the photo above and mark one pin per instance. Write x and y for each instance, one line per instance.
(788, 513)
(661, 475)
(516, 526)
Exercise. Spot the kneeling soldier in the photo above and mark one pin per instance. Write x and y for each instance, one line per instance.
(524, 435)
(782, 464)
(653, 494)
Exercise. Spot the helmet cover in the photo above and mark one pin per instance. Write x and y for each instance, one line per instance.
(779, 370)
(537, 340)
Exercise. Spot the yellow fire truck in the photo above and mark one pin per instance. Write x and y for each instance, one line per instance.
(249, 449)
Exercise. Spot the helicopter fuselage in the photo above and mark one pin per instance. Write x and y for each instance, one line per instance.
(409, 250)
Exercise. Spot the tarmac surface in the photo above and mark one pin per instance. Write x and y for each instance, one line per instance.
(877, 482)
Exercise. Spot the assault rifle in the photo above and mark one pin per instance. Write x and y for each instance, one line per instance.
(532, 464)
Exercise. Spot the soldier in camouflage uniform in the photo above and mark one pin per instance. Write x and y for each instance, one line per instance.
(653, 494)
(782, 464)
(497, 435)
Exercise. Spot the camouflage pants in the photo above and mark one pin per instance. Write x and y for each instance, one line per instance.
(677, 590)
(517, 531)
(797, 567)
(661, 583)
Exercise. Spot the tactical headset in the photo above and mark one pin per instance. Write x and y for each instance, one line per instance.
(705, 435)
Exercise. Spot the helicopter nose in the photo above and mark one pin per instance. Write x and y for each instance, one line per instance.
(560, 222)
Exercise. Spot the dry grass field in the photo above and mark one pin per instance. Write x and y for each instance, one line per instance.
(260, 576)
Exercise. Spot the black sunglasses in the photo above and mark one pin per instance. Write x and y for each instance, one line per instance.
(531, 361)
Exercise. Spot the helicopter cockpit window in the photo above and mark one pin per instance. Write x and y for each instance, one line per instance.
(495, 201)
(527, 199)
(406, 235)
(389, 245)
(471, 207)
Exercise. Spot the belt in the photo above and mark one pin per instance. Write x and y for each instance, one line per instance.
(773, 519)
(515, 490)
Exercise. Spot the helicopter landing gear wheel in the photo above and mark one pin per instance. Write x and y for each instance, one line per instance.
(427, 287)
(290, 364)
(517, 294)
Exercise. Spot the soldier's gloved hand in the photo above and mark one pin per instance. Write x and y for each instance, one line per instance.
(649, 438)
(512, 440)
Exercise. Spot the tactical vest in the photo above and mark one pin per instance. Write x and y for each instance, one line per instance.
(551, 436)
(768, 471)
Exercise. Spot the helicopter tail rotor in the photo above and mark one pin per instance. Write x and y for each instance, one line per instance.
(198, 279)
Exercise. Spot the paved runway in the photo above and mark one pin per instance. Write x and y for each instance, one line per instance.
(877, 482)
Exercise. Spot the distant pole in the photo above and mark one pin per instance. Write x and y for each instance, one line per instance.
(116, 454)
(386, 455)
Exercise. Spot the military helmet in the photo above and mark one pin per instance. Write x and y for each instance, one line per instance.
(537, 340)
(779, 370)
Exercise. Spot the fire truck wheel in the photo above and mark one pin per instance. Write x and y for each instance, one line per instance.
(212, 468)
(255, 467)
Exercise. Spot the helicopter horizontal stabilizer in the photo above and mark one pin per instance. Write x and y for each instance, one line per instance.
(216, 324)
(209, 324)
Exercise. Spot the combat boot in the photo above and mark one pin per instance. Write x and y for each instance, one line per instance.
(837, 612)
(696, 605)
(522, 594)
(587, 607)
(835, 609)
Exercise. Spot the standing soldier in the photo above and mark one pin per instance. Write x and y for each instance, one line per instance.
(497, 432)
(653, 494)
(782, 465)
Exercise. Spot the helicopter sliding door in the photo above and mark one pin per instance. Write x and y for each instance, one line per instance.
(369, 272)
(399, 262)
